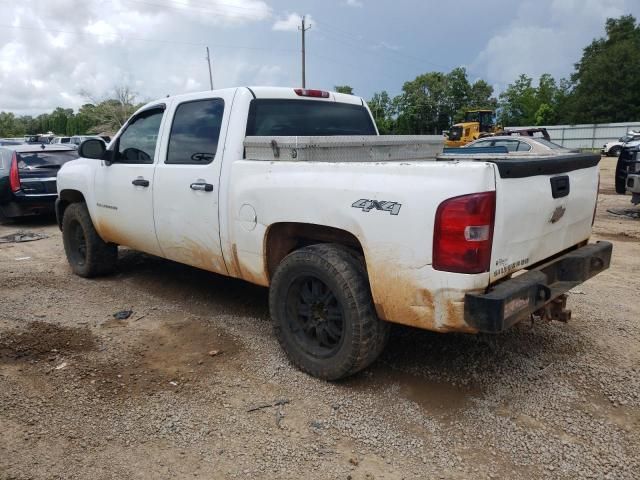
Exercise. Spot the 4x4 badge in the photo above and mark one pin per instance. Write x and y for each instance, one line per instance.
(367, 205)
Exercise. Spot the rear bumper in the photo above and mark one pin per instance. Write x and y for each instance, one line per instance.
(22, 205)
(514, 300)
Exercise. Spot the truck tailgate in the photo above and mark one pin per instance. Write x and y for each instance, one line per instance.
(543, 206)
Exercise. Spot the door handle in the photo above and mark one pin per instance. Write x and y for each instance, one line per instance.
(140, 182)
(201, 186)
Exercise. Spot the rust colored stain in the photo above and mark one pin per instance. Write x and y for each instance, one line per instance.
(234, 268)
(398, 300)
(109, 234)
(454, 320)
(196, 254)
(244, 273)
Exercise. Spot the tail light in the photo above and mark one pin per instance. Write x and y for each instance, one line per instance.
(304, 92)
(14, 176)
(463, 233)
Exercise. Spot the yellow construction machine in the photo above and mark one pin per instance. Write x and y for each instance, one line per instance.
(476, 124)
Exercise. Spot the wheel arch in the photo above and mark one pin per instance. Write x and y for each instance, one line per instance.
(66, 198)
(285, 237)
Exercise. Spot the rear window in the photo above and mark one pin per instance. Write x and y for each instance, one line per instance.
(307, 118)
(549, 144)
(45, 159)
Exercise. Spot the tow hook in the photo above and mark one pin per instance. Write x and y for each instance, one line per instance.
(556, 309)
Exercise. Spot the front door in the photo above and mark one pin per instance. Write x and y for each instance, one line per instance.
(187, 181)
(124, 189)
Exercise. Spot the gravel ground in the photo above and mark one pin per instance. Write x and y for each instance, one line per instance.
(193, 384)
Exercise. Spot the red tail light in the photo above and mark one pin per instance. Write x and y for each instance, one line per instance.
(463, 233)
(14, 176)
(304, 92)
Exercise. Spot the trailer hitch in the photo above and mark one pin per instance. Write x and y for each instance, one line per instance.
(556, 309)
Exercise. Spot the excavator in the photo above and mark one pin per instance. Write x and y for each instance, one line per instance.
(476, 124)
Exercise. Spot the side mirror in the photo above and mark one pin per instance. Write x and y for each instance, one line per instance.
(92, 148)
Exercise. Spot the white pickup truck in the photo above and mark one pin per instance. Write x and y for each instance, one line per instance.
(293, 189)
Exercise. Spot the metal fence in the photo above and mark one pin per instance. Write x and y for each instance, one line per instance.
(591, 136)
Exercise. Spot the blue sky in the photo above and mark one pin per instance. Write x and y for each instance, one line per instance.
(57, 52)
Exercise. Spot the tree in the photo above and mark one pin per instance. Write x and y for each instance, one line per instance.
(343, 89)
(518, 103)
(109, 114)
(383, 111)
(607, 77)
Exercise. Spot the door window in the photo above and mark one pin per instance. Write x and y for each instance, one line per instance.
(523, 147)
(195, 132)
(512, 145)
(137, 144)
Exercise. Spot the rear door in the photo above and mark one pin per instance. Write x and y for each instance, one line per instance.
(544, 205)
(124, 189)
(187, 183)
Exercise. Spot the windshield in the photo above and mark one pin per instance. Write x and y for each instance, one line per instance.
(455, 133)
(549, 144)
(307, 117)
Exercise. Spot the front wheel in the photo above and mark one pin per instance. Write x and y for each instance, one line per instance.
(614, 151)
(87, 253)
(323, 312)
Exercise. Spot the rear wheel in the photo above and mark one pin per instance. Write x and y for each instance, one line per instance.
(621, 176)
(87, 254)
(323, 313)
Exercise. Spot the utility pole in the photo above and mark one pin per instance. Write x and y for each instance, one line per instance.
(303, 29)
(209, 64)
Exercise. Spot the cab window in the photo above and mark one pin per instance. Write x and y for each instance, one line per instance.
(195, 132)
(137, 144)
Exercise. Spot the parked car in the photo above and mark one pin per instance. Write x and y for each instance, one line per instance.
(28, 178)
(10, 141)
(520, 144)
(613, 149)
(293, 189)
(59, 140)
(78, 139)
(627, 163)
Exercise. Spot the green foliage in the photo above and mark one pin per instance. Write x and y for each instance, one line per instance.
(607, 77)
(96, 117)
(343, 89)
(432, 102)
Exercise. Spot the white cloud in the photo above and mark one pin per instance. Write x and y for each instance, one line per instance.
(291, 22)
(60, 48)
(543, 40)
(354, 3)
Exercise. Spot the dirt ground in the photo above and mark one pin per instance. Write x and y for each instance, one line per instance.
(194, 385)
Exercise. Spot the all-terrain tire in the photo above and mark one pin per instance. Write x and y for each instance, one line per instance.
(621, 176)
(88, 255)
(343, 275)
(614, 151)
